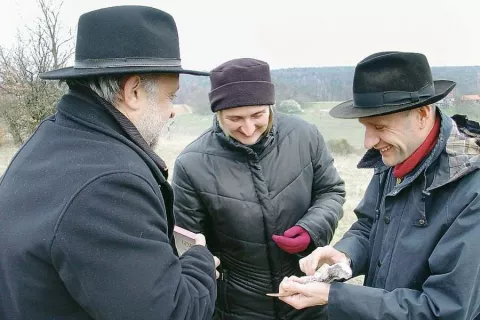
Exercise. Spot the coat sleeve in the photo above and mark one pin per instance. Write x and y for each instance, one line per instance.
(188, 208)
(328, 196)
(111, 249)
(450, 292)
(356, 241)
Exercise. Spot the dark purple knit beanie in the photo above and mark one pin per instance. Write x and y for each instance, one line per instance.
(241, 82)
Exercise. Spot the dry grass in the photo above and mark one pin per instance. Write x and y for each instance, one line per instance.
(356, 182)
(7, 149)
(2, 136)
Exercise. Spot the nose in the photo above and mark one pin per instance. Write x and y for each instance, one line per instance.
(371, 138)
(172, 114)
(248, 128)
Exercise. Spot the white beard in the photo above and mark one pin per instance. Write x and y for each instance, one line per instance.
(151, 122)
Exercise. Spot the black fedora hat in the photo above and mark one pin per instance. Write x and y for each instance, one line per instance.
(389, 82)
(122, 40)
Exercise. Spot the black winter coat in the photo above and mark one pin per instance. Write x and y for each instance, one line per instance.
(86, 228)
(240, 196)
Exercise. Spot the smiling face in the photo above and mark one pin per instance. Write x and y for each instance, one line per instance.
(398, 135)
(245, 124)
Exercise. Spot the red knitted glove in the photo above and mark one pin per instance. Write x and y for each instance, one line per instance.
(294, 240)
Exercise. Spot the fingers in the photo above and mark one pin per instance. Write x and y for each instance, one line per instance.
(217, 263)
(333, 256)
(293, 285)
(318, 257)
(290, 242)
(310, 263)
(293, 232)
(295, 279)
(297, 301)
(200, 239)
(290, 293)
(281, 287)
(302, 295)
(343, 258)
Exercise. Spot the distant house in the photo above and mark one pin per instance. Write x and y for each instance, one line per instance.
(182, 109)
(447, 102)
(471, 97)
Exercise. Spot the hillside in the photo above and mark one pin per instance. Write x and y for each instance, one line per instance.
(321, 84)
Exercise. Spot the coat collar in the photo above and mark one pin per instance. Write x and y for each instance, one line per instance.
(261, 148)
(84, 106)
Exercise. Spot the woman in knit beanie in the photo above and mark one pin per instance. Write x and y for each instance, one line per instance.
(261, 187)
(238, 84)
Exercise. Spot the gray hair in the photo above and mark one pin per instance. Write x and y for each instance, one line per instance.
(110, 87)
(432, 106)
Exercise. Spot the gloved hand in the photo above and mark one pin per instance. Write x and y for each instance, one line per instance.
(294, 240)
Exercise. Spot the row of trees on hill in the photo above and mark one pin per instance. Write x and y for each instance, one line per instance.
(322, 84)
(25, 99)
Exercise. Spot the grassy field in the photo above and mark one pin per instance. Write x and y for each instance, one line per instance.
(317, 113)
(187, 127)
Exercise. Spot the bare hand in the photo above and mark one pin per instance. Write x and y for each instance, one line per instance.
(304, 295)
(217, 263)
(320, 256)
(200, 240)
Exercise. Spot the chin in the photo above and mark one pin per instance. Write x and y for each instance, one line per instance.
(390, 162)
(247, 141)
(251, 143)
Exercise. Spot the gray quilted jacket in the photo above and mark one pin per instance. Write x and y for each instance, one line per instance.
(240, 196)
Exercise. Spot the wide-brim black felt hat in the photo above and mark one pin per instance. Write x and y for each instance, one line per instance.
(124, 40)
(389, 82)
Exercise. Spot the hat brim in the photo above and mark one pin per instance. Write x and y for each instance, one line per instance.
(347, 109)
(76, 73)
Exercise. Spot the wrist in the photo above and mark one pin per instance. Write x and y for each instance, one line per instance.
(327, 293)
(345, 259)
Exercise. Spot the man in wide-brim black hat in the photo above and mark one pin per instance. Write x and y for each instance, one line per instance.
(86, 217)
(416, 238)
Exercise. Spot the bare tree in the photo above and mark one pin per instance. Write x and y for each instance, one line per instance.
(25, 99)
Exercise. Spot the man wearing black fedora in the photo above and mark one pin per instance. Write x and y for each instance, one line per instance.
(416, 238)
(86, 212)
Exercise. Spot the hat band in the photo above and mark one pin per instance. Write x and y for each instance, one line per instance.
(128, 62)
(379, 99)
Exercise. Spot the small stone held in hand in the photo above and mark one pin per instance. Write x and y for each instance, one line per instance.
(337, 271)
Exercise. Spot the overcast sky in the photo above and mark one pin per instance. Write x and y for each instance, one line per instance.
(296, 33)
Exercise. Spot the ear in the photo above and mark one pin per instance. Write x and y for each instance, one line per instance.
(132, 92)
(425, 115)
